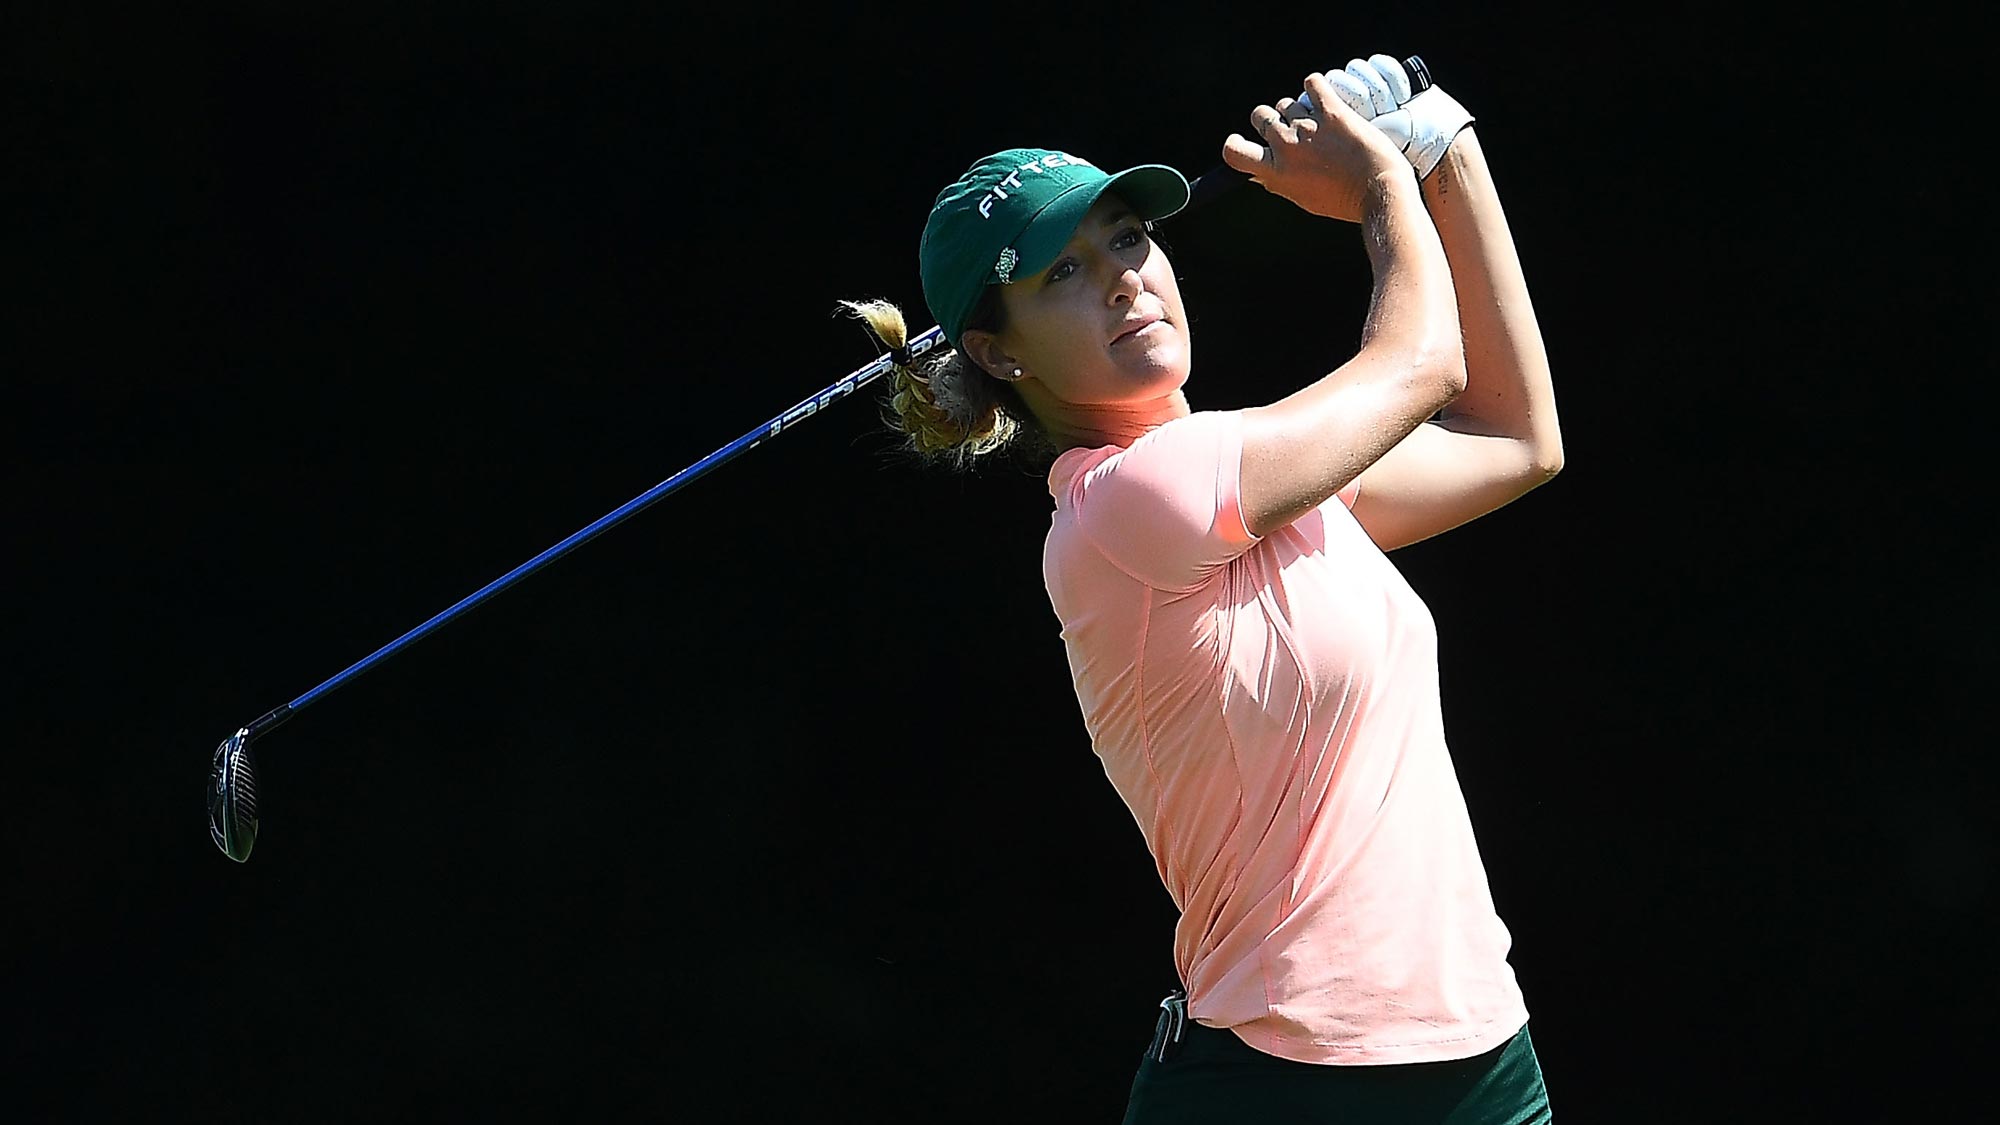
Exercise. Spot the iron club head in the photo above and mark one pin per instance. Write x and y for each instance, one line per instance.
(232, 797)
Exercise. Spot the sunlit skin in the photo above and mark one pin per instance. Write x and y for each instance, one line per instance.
(1089, 379)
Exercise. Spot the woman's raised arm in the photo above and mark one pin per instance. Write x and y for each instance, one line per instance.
(1302, 449)
(1499, 439)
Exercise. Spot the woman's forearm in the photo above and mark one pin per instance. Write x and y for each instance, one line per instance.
(1508, 392)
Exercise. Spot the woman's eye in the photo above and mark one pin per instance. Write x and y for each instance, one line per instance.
(1123, 240)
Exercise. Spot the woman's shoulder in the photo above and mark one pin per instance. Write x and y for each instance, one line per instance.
(1168, 457)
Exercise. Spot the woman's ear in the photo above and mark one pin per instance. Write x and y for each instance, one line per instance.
(984, 349)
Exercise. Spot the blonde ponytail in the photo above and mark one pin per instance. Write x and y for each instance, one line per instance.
(946, 406)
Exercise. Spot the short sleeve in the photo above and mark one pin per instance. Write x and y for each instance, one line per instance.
(1349, 493)
(1168, 509)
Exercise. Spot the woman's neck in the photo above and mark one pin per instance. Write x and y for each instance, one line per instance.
(1071, 426)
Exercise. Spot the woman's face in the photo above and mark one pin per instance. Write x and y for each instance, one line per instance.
(1101, 327)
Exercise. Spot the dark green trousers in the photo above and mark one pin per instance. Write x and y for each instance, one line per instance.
(1212, 1077)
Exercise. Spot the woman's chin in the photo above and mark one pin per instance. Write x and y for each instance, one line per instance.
(1163, 365)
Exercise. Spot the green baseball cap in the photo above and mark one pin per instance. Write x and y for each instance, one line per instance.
(1012, 212)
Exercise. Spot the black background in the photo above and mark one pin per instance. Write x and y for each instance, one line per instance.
(772, 803)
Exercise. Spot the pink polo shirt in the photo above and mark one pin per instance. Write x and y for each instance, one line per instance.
(1268, 709)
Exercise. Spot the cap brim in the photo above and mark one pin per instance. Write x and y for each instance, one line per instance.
(1153, 191)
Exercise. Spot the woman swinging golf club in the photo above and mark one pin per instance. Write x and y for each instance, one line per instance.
(1257, 677)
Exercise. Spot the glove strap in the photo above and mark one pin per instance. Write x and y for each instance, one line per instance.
(1436, 119)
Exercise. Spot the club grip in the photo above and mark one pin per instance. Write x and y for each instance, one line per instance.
(1219, 180)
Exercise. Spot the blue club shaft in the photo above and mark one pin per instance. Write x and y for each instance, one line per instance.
(790, 419)
(1217, 181)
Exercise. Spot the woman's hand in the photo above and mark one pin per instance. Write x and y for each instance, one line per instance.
(1327, 159)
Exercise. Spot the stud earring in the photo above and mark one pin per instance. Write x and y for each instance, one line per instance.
(1017, 373)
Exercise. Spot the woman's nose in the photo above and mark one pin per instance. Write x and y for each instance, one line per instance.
(1127, 286)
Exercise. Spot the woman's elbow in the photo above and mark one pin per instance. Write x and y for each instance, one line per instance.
(1442, 369)
(1548, 460)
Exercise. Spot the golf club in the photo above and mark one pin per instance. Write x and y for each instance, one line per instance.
(232, 783)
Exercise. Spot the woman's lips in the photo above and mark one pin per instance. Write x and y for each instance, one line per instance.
(1135, 333)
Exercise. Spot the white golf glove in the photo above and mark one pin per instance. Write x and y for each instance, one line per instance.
(1422, 123)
